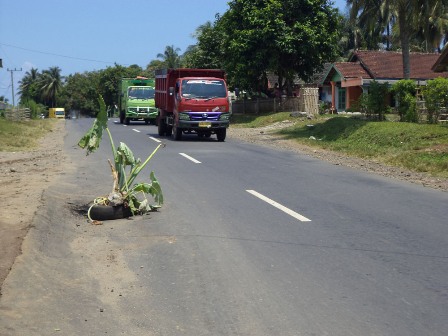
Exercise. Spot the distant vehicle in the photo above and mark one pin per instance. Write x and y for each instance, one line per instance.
(192, 101)
(56, 112)
(136, 100)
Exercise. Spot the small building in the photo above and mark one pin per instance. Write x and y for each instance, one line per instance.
(345, 82)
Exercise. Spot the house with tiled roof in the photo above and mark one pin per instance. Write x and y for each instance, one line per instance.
(345, 82)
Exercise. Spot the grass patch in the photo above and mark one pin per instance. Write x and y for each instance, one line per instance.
(418, 147)
(253, 121)
(16, 136)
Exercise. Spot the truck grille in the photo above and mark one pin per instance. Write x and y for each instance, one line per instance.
(204, 116)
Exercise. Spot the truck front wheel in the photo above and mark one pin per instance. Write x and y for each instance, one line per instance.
(221, 134)
(177, 133)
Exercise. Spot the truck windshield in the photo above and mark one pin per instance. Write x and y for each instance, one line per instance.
(203, 88)
(141, 93)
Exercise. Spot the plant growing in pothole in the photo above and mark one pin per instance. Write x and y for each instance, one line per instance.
(125, 169)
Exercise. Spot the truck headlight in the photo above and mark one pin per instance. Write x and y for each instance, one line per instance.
(224, 116)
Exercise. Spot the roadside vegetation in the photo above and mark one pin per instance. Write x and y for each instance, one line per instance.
(418, 147)
(23, 135)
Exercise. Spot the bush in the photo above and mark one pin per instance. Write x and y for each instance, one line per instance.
(436, 98)
(376, 102)
(35, 108)
(405, 93)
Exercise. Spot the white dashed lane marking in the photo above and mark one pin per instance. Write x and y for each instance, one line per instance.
(189, 158)
(279, 206)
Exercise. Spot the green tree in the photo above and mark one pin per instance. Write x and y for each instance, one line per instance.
(404, 91)
(436, 98)
(376, 102)
(109, 78)
(80, 92)
(152, 66)
(375, 19)
(206, 53)
(433, 23)
(28, 86)
(287, 37)
(170, 57)
(414, 22)
(50, 83)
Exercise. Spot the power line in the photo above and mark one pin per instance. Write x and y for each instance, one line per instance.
(52, 54)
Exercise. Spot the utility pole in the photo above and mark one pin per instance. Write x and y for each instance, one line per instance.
(12, 83)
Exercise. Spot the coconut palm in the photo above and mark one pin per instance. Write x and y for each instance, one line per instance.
(410, 17)
(50, 84)
(433, 23)
(27, 85)
(170, 57)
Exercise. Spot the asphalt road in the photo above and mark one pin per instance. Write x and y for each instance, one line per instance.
(250, 241)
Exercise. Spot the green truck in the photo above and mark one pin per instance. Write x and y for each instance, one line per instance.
(136, 100)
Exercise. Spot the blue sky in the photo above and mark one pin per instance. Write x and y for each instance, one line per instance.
(87, 35)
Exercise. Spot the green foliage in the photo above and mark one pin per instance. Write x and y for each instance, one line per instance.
(206, 53)
(436, 98)
(35, 108)
(80, 92)
(409, 105)
(404, 91)
(92, 139)
(50, 84)
(170, 57)
(376, 99)
(125, 170)
(288, 38)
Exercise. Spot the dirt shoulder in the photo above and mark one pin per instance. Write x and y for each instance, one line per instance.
(23, 177)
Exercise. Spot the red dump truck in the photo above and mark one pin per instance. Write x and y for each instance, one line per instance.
(192, 101)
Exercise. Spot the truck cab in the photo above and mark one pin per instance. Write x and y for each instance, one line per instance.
(136, 100)
(192, 101)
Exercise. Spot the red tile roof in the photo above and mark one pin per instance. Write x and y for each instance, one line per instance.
(441, 65)
(389, 64)
(351, 70)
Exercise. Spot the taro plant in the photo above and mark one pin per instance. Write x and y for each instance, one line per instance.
(125, 170)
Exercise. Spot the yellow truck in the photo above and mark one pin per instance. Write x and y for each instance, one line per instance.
(56, 112)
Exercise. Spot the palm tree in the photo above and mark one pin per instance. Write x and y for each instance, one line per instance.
(27, 84)
(50, 84)
(380, 12)
(427, 16)
(433, 23)
(170, 57)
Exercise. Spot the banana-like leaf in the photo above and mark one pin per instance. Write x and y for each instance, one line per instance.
(152, 188)
(91, 140)
(125, 156)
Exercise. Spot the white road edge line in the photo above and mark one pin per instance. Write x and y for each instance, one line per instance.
(136, 130)
(155, 139)
(190, 158)
(279, 206)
